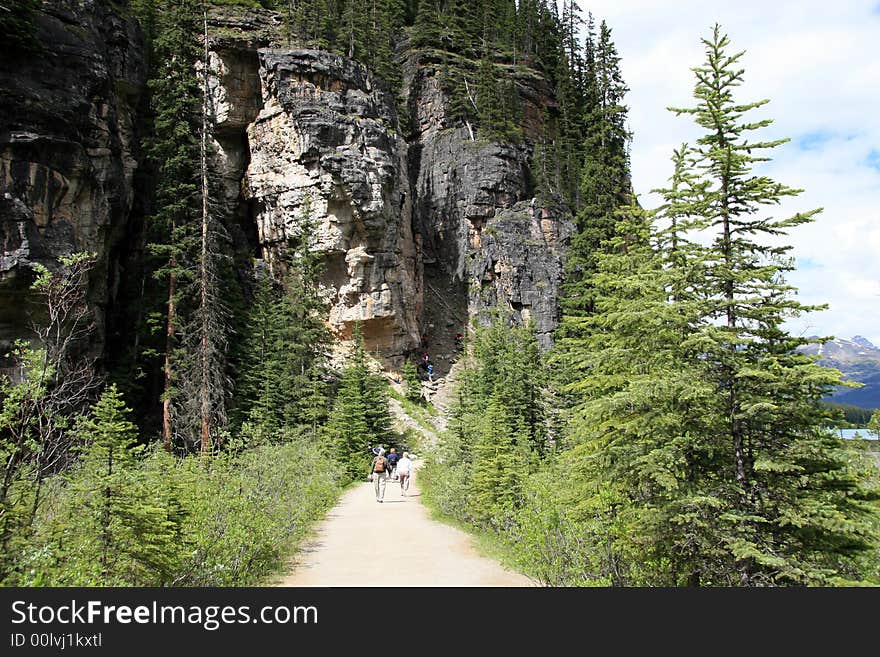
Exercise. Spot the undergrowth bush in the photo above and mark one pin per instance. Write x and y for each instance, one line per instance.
(227, 520)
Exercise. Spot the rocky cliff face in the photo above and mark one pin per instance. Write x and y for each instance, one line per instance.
(422, 227)
(420, 235)
(325, 139)
(487, 241)
(68, 150)
(309, 141)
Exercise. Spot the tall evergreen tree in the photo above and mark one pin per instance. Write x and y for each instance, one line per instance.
(779, 527)
(187, 236)
(211, 321)
(259, 391)
(426, 28)
(177, 104)
(604, 176)
(412, 382)
(360, 416)
(283, 361)
(497, 470)
(497, 428)
(698, 414)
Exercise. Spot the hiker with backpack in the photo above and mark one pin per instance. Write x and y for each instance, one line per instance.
(379, 474)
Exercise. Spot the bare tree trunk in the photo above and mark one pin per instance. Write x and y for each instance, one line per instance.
(169, 345)
(204, 390)
(105, 520)
(474, 103)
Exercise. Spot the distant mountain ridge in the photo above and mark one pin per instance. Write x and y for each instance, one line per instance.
(859, 360)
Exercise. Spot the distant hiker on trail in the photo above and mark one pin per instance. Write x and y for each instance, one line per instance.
(430, 371)
(393, 458)
(404, 472)
(425, 359)
(379, 474)
(459, 340)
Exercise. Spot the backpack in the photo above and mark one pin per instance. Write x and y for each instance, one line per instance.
(379, 466)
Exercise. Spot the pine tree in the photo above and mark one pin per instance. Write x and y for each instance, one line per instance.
(497, 423)
(211, 316)
(698, 416)
(360, 417)
(313, 400)
(347, 427)
(283, 354)
(258, 389)
(604, 185)
(177, 103)
(497, 103)
(118, 533)
(638, 407)
(354, 32)
(378, 414)
(426, 29)
(496, 470)
(412, 382)
(781, 460)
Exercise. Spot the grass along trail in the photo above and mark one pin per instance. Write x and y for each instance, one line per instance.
(364, 543)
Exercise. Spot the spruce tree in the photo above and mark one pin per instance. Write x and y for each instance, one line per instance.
(787, 522)
(347, 429)
(637, 408)
(360, 417)
(699, 418)
(426, 29)
(258, 390)
(175, 150)
(496, 470)
(604, 185)
(412, 382)
(118, 532)
(210, 327)
(281, 383)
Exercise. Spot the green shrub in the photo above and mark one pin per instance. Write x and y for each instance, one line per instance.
(228, 520)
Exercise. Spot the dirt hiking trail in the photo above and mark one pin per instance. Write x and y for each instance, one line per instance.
(364, 543)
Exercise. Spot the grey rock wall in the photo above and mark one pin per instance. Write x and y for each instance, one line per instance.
(484, 236)
(68, 149)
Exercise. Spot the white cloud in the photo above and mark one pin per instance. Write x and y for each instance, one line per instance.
(816, 61)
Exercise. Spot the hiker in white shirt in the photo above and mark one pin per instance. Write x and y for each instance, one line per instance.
(404, 472)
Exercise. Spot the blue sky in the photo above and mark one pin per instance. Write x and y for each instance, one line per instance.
(818, 63)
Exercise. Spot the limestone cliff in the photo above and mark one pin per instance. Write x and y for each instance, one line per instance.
(423, 227)
(326, 137)
(420, 235)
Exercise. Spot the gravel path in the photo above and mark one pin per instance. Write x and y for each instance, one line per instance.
(364, 543)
